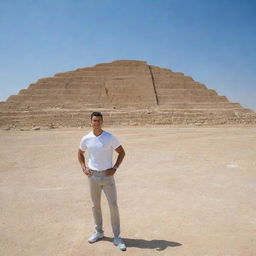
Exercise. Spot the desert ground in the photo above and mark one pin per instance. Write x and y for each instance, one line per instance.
(181, 191)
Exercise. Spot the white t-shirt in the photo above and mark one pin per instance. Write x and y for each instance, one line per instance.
(100, 150)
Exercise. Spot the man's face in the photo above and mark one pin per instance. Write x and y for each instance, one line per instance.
(96, 122)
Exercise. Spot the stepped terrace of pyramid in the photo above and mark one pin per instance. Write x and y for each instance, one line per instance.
(127, 92)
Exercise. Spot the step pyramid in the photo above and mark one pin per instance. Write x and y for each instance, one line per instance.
(128, 92)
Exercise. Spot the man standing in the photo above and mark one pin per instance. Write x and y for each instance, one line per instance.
(99, 145)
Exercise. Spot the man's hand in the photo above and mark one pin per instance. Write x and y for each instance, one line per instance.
(87, 172)
(111, 171)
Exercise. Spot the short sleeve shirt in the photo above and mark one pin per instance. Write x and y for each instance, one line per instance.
(99, 149)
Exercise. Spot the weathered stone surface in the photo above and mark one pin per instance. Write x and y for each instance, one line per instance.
(127, 92)
(36, 128)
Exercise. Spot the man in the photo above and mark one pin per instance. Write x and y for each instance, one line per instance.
(100, 171)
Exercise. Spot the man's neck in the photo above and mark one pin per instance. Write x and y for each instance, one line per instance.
(97, 132)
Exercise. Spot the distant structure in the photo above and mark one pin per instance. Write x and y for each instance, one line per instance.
(128, 92)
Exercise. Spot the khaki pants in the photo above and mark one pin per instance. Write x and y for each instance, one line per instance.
(99, 182)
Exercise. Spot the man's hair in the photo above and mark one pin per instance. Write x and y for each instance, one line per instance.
(96, 114)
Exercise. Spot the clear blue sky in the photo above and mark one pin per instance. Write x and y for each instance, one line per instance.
(214, 41)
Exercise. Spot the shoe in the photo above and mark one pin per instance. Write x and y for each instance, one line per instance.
(120, 243)
(95, 237)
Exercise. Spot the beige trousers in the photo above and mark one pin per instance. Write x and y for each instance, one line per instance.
(99, 182)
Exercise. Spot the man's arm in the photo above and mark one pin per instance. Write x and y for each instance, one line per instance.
(121, 154)
(81, 160)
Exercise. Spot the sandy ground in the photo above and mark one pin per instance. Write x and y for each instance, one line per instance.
(181, 191)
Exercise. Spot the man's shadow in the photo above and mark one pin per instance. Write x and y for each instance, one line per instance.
(159, 245)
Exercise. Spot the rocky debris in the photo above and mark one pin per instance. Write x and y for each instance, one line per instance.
(5, 128)
(36, 128)
(24, 129)
(52, 126)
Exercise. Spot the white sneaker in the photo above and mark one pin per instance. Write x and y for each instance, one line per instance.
(119, 243)
(95, 237)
